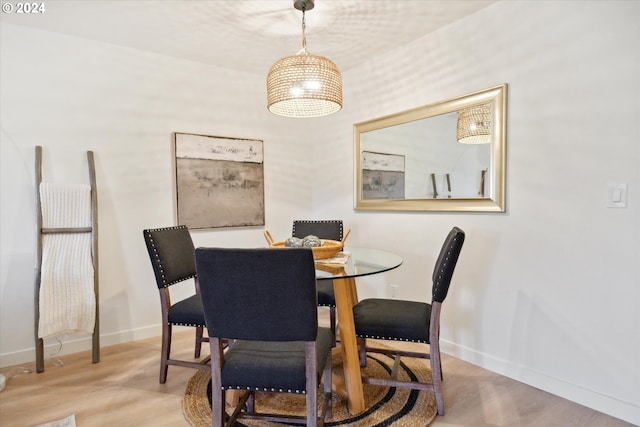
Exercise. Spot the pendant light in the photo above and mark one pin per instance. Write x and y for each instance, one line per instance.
(304, 85)
(474, 125)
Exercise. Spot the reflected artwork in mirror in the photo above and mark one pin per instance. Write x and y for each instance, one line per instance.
(446, 156)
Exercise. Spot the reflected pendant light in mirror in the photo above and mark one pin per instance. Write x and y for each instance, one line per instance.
(474, 125)
(304, 85)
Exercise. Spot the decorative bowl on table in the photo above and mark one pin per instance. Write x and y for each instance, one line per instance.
(327, 249)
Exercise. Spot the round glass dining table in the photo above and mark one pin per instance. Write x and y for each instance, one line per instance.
(359, 262)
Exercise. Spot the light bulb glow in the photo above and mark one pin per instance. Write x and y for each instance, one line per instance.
(313, 85)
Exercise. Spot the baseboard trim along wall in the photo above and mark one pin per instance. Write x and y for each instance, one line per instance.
(74, 344)
(627, 411)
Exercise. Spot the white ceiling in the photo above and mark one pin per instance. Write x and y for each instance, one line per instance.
(250, 34)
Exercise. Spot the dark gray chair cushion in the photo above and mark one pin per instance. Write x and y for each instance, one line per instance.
(271, 366)
(391, 319)
(187, 312)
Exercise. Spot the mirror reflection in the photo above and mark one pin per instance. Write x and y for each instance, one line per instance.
(443, 156)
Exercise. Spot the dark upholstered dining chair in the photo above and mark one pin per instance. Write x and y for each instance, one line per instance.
(172, 256)
(264, 302)
(390, 319)
(324, 229)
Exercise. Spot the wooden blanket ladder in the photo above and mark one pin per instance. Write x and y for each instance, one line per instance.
(93, 229)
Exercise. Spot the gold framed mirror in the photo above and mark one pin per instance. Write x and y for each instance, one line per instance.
(445, 156)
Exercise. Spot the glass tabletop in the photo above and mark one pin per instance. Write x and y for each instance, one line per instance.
(361, 262)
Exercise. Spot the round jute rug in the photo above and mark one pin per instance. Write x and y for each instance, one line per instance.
(385, 406)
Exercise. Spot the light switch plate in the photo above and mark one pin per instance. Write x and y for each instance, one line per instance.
(617, 195)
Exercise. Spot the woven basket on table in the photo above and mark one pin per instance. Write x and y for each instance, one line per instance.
(329, 248)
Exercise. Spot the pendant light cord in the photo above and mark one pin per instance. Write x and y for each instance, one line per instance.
(304, 36)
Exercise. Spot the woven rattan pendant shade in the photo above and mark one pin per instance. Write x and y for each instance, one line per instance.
(304, 85)
(474, 125)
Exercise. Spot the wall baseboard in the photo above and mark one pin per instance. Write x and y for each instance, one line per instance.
(595, 400)
(73, 344)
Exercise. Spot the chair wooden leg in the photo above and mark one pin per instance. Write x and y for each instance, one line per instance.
(434, 350)
(332, 323)
(312, 411)
(217, 409)
(362, 351)
(199, 332)
(327, 381)
(247, 400)
(164, 352)
(312, 384)
(251, 402)
(436, 377)
(217, 404)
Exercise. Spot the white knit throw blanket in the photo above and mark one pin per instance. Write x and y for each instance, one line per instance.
(67, 298)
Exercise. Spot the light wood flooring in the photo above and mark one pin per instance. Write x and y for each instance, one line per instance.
(123, 390)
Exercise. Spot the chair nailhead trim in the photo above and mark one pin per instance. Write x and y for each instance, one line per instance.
(273, 389)
(378, 337)
(327, 221)
(195, 325)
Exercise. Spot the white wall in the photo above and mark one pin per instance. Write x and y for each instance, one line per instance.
(71, 95)
(547, 293)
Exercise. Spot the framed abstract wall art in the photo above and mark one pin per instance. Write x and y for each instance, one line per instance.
(382, 175)
(219, 181)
